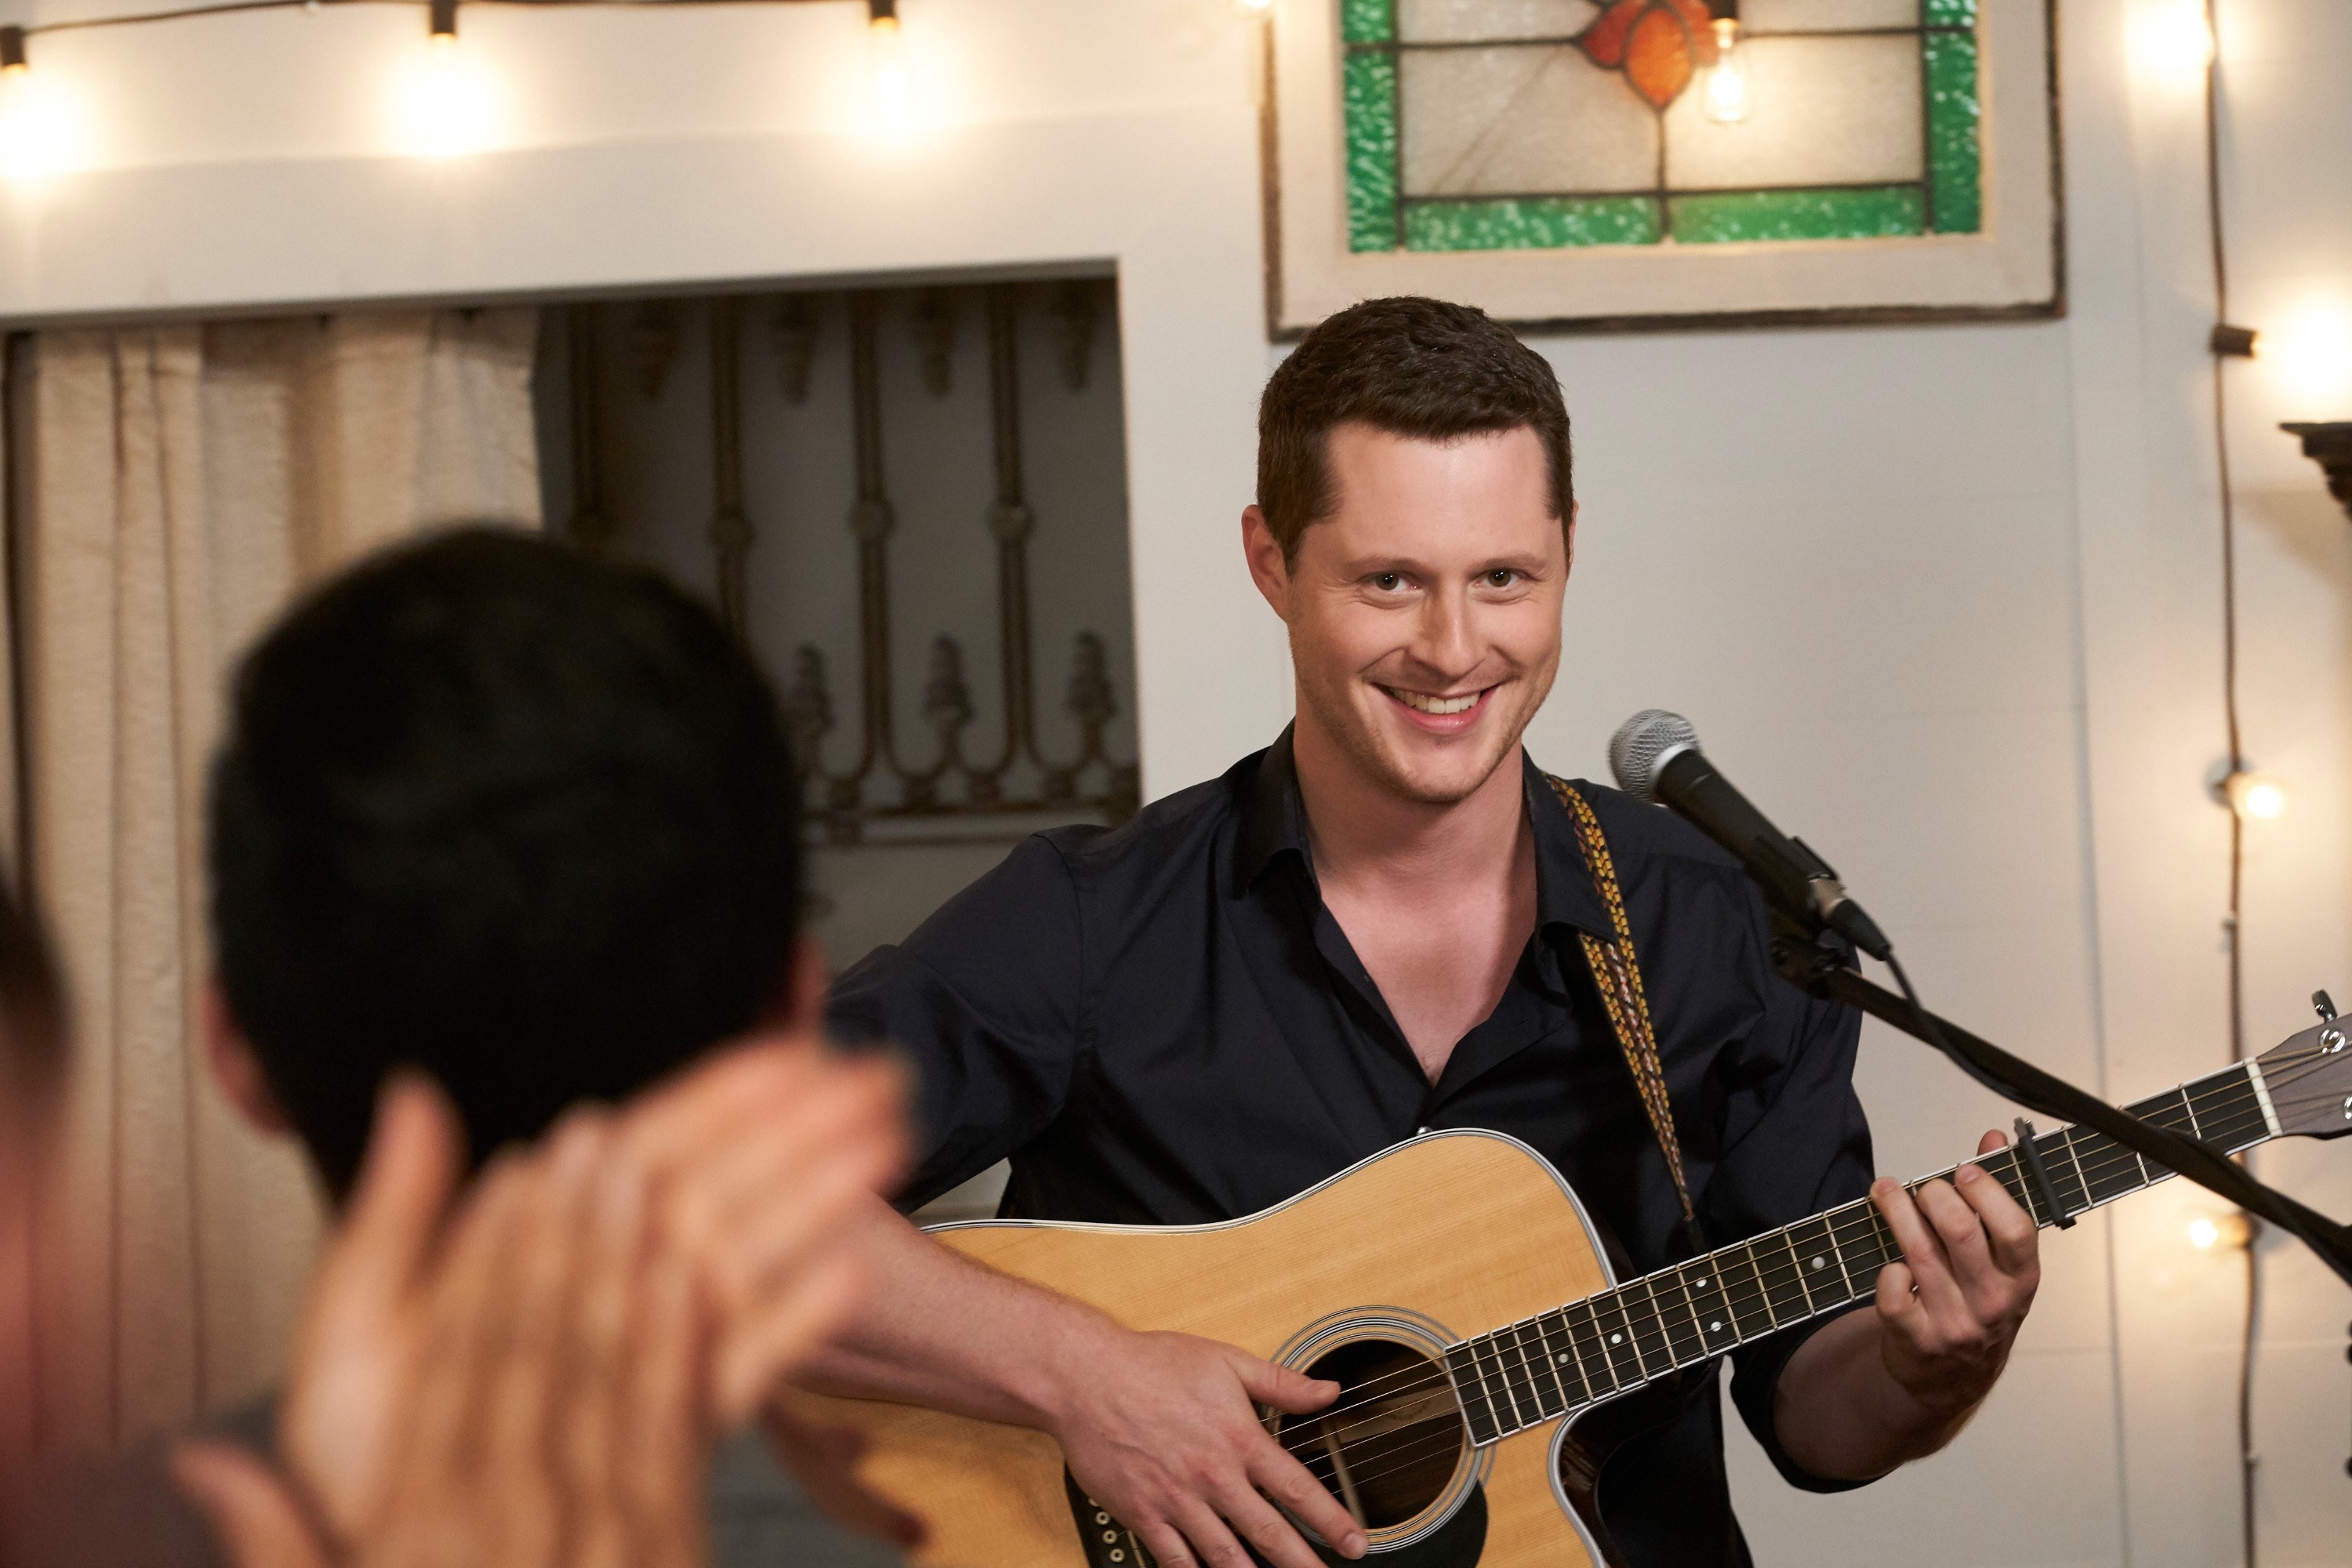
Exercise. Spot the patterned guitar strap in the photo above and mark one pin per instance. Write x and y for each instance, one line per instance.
(1619, 979)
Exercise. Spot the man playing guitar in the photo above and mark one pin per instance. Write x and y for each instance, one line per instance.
(1368, 931)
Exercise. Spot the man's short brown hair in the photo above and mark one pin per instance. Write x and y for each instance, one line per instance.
(1414, 367)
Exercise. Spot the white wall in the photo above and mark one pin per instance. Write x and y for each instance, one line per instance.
(1949, 595)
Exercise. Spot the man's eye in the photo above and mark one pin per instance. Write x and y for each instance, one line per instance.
(1389, 582)
(1501, 577)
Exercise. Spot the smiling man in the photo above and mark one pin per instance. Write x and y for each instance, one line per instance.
(1367, 930)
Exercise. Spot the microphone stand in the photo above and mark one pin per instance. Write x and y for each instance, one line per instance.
(1822, 970)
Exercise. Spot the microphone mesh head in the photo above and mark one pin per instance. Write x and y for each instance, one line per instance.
(1634, 749)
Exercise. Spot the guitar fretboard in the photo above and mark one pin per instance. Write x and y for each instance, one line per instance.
(1611, 1343)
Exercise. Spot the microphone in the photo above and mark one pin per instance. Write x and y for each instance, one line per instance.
(1655, 757)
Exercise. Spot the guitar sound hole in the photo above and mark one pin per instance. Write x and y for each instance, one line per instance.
(1388, 1446)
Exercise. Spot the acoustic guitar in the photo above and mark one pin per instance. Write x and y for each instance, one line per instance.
(1490, 1361)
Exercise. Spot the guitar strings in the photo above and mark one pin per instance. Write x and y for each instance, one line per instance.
(2281, 1070)
(1846, 1227)
(2102, 1164)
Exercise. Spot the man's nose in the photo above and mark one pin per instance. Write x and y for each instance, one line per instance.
(1446, 643)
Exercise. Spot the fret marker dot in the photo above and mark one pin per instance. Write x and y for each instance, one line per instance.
(1820, 1262)
(1702, 1284)
(1714, 1328)
(1616, 1339)
(1563, 1360)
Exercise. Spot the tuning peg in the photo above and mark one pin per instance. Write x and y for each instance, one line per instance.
(2324, 1005)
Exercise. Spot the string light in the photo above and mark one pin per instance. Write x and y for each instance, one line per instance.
(2307, 354)
(2207, 1231)
(1254, 10)
(2171, 42)
(444, 105)
(1727, 84)
(889, 79)
(2256, 797)
(41, 132)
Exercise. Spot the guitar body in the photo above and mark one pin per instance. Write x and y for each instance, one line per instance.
(1366, 1277)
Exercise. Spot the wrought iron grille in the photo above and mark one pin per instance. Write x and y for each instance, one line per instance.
(960, 783)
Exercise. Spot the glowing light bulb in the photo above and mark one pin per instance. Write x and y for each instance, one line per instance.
(444, 105)
(2308, 354)
(2171, 42)
(1727, 84)
(2208, 1231)
(42, 132)
(2258, 798)
(1254, 10)
(889, 79)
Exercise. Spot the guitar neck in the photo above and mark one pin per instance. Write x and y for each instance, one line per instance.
(1611, 1343)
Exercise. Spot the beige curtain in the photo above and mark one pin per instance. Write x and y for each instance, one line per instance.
(176, 486)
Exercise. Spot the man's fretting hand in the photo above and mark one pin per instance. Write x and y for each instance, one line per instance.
(1872, 1390)
(1162, 1430)
(1952, 1306)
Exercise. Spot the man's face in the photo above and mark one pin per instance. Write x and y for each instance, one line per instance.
(1424, 610)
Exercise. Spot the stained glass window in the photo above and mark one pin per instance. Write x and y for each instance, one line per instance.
(1547, 124)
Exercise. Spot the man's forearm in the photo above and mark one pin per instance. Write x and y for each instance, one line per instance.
(1840, 1413)
(941, 1330)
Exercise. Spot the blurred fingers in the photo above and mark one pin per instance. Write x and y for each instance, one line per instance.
(663, 1437)
(824, 1460)
(792, 1320)
(252, 1512)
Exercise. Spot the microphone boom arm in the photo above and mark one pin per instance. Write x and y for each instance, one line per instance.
(1822, 970)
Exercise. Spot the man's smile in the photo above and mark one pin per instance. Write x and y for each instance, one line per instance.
(1446, 714)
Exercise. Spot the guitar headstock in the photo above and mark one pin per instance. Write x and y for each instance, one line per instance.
(2309, 1077)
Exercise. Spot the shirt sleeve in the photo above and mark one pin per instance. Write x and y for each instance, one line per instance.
(983, 1001)
(1795, 1143)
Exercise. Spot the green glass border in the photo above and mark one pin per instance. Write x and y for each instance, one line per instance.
(1370, 21)
(1369, 91)
(1955, 158)
(1549, 223)
(1727, 218)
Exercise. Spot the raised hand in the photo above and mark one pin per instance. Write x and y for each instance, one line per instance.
(539, 1376)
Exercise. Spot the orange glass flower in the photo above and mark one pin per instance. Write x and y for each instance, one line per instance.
(1658, 44)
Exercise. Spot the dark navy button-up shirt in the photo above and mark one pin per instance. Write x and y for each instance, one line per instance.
(1163, 1023)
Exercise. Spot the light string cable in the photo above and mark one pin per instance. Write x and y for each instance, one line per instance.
(1845, 1225)
(2248, 1460)
(227, 7)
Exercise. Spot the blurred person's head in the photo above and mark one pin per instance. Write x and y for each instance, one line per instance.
(1413, 529)
(513, 814)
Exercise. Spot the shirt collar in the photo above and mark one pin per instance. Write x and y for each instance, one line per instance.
(1273, 822)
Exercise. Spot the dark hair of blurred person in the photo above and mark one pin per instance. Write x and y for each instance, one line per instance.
(518, 815)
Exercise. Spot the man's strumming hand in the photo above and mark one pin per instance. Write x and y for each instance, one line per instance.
(1163, 1431)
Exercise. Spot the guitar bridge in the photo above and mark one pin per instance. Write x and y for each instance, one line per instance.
(1109, 1543)
(1457, 1544)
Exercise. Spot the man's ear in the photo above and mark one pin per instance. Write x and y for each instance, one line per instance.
(1574, 507)
(229, 1058)
(1267, 568)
